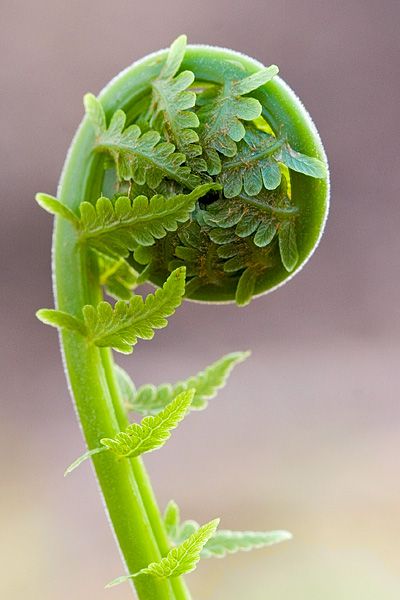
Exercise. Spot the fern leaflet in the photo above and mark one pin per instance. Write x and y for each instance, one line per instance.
(126, 386)
(171, 103)
(61, 319)
(180, 560)
(172, 519)
(152, 432)
(149, 399)
(258, 217)
(288, 245)
(117, 276)
(256, 164)
(141, 157)
(229, 542)
(119, 327)
(116, 227)
(138, 438)
(222, 542)
(221, 117)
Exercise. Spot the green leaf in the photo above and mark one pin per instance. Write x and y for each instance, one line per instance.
(95, 113)
(288, 245)
(308, 165)
(221, 117)
(126, 386)
(117, 276)
(172, 519)
(119, 327)
(81, 459)
(229, 542)
(116, 228)
(182, 559)
(177, 532)
(61, 319)
(152, 432)
(256, 164)
(245, 287)
(222, 542)
(249, 216)
(141, 157)
(171, 102)
(151, 399)
(265, 233)
(186, 529)
(55, 207)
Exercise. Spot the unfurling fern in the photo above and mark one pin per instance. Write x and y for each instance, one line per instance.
(197, 171)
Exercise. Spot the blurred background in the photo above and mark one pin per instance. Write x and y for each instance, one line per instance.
(306, 435)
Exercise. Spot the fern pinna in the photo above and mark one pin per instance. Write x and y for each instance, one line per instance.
(199, 171)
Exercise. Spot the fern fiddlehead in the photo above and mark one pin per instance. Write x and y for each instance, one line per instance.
(194, 164)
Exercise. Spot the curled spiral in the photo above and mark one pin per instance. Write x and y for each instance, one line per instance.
(266, 214)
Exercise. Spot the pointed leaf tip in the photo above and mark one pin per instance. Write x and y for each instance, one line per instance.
(60, 319)
(82, 458)
(118, 580)
(56, 208)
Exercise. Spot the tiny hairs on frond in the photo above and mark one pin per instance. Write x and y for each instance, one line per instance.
(149, 399)
(180, 560)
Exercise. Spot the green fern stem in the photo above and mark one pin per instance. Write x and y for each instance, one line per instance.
(265, 207)
(257, 156)
(125, 486)
(142, 479)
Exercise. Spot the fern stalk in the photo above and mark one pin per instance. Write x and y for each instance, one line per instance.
(90, 370)
(126, 488)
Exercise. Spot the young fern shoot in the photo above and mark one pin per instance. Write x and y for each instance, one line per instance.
(200, 172)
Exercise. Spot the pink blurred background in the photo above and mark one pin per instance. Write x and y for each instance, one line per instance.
(306, 436)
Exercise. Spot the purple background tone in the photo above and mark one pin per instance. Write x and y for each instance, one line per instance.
(306, 436)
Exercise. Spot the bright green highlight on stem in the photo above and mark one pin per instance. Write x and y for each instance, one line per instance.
(196, 169)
